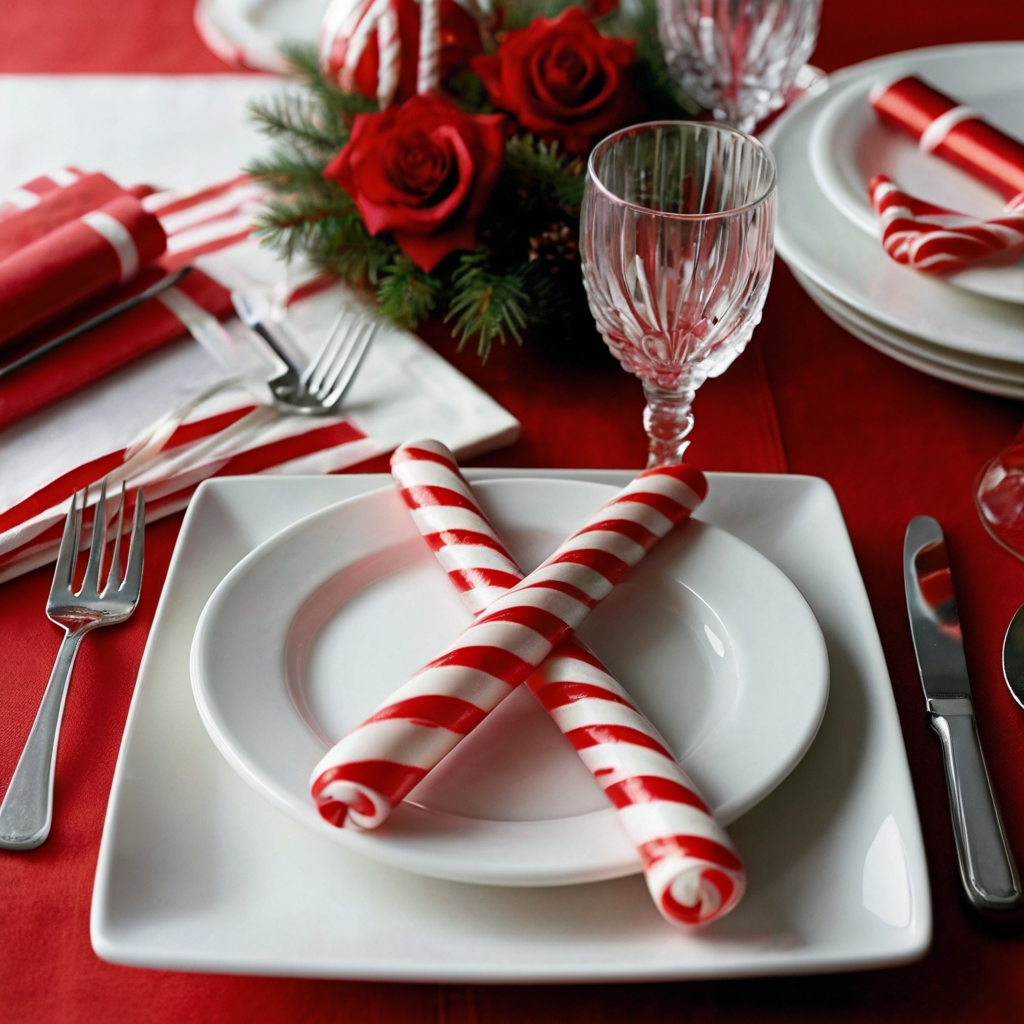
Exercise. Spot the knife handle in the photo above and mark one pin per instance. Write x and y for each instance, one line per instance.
(987, 870)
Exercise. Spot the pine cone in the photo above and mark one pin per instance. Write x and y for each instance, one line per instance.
(556, 247)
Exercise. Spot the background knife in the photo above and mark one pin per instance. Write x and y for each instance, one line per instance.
(987, 869)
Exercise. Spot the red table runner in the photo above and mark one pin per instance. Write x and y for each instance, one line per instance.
(806, 398)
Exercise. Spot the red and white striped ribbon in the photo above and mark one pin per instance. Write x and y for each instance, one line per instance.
(218, 432)
(206, 219)
(935, 240)
(691, 866)
(376, 765)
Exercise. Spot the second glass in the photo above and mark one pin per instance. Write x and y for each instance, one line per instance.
(676, 239)
(738, 58)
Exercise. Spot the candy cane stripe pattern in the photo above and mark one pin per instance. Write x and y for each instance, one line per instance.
(694, 874)
(935, 240)
(369, 771)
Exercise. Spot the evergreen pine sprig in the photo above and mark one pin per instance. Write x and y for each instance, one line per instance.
(549, 176)
(489, 305)
(407, 294)
(297, 120)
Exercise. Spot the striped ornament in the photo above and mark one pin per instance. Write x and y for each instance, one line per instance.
(936, 240)
(345, 33)
(691, 867)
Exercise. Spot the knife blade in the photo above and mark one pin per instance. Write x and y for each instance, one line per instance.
(165, 283)
(987, 869)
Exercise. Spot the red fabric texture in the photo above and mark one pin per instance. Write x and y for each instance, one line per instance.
(57, 207)
(104, 349)
(806, 396)
(72, 263)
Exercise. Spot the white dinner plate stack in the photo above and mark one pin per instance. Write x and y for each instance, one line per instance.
(968, 327)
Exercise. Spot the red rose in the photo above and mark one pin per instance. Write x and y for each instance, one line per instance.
(562, 79)
(422, 171)
(460, 41)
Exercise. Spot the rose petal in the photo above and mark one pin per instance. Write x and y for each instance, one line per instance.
(426, 251)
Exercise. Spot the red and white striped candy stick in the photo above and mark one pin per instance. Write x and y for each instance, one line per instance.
(692, 869)
(935, 240)
(369, 771)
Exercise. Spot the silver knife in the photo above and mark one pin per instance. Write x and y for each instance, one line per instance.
(987, 869)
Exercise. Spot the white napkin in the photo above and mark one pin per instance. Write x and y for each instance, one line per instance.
(403, 390)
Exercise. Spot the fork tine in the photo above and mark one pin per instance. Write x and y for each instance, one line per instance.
(91, 583)
(133, 573)
(67, 555)
(347, 373)
(353, 338)
(114, 575)
(327, 353)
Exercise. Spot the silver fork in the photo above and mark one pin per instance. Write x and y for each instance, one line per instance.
(27, 808)
(320, 388)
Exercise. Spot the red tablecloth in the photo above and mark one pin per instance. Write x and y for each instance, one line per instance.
(807, 397)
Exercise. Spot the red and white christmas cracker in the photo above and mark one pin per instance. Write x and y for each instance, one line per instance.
(931, 238)
(953, 132)
(936, 240)
(196, 222)
(691, 866)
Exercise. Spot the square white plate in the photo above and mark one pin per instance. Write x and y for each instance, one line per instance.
(188, 879)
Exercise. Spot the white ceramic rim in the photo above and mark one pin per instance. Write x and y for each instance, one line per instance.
(904, 349)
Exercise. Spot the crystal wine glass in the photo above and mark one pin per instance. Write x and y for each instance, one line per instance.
(999, 497)
(676, 239)
(738, 58)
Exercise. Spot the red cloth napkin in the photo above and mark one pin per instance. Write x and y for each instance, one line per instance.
(49, 255)
(84, 257)
(106, 348)
(54, 208)
(952, 131)
(25, 196)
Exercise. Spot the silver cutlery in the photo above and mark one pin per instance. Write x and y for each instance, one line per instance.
(987, 869)
(321, 387)
(27, 808)
(101, 318)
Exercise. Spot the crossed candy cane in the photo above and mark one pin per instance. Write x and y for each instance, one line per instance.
(691, 867)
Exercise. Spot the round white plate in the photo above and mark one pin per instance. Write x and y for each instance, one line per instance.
(849, 146)
(820, 243)
(310, 632)
(981, 375)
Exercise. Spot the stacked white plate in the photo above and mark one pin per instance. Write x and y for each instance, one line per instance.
(966, 327)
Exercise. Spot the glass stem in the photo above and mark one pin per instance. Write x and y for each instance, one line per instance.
(668, 419)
